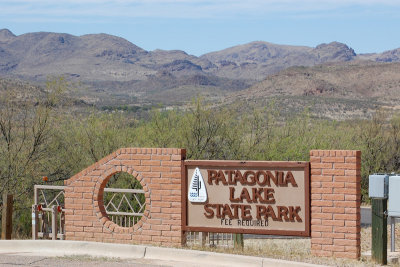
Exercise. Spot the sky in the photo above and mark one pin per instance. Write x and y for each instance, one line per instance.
(202, 26)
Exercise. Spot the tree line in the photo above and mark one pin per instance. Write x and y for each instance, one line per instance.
(43, 137)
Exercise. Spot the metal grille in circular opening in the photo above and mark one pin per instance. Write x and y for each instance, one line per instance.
(124, 199)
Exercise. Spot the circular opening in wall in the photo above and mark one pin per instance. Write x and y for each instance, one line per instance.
(124, 199)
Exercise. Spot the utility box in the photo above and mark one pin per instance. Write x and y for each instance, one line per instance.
(394, 196)
(378, 185)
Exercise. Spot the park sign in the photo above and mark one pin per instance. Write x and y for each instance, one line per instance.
(255, 197)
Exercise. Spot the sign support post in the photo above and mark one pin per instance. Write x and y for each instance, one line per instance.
(238, 241)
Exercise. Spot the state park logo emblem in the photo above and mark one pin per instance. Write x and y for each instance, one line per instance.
(197, 191)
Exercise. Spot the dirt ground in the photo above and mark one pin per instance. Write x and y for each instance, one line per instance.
(298, 249)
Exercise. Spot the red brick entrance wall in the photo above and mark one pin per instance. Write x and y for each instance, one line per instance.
(335, 200)
(335, 203)
(159, 172)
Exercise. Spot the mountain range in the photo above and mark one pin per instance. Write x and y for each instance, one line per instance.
(114, 70)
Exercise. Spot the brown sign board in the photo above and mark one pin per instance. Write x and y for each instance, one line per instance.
(254, 197)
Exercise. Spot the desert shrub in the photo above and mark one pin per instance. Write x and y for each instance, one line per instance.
(40, 138)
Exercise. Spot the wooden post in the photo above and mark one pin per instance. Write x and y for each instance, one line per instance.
(379, 230)
(6, 221)
(238, 241)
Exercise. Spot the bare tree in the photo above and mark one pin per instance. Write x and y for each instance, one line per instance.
(25, 131)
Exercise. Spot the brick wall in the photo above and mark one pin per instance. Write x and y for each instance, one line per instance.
(159, 172)
(335, 203)
(335, 200)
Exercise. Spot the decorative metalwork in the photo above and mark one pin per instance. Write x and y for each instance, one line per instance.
(124, 207)
(49, 195)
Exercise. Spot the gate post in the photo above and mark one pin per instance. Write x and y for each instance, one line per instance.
(35, 222)
(54, 215)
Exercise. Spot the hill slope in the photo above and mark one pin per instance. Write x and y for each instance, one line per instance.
(258, 59)
(335, 90)
(114, 71)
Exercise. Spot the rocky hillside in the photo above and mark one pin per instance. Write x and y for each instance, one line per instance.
(102, 57)
(348, 90)
(115, 71)
(256, 60)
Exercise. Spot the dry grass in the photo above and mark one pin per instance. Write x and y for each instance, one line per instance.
(298, 249)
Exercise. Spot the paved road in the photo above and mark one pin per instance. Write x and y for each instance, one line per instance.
(9, 259)
(80, 253)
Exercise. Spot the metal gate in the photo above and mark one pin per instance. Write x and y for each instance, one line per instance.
(123, 206)
(48, 216)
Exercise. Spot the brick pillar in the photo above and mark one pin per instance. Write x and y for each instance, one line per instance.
(335, 203)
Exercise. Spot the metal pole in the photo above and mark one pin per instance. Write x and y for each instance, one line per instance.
(379, 230)
(35, 195)
(54, 222)
(62, 223)
(392, 234)
(35, 222)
